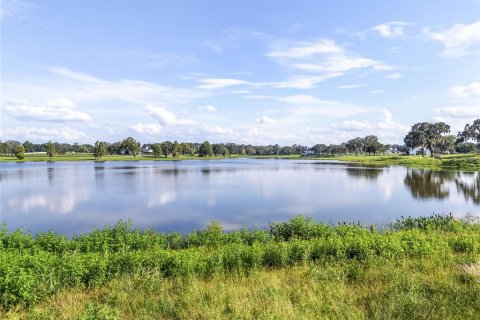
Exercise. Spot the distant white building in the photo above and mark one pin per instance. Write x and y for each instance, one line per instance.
(419, 151)
(307, 153)
(146, 150)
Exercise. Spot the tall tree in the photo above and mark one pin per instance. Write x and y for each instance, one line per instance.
(176, 150)
(371, 144)
(470, 132)
(205, 149)
(447, 143)
(426, 135)
(355, 145)
(100, 149)
(167, 148)
(131, 145)
(157, 150)
(50, 149)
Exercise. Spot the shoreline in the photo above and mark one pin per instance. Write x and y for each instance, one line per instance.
(447, 162)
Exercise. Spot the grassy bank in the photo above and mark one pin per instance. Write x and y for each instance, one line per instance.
(455, 161)
(417, 268)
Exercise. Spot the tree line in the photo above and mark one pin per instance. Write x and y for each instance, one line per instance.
(434, 137)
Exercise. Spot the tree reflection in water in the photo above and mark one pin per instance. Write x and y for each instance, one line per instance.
(425, 184)
(469, 185)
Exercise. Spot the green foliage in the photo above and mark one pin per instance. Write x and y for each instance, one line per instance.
(157, 150)
(20, 152)
(205, 149)
(33, 267)
(100, 149)
(50, 149)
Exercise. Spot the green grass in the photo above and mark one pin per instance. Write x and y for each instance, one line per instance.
(90, 157)
(414, 269)
(455, 161)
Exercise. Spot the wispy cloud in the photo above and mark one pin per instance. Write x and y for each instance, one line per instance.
(56, 110)
(208, 108)
(324, 57)
(393, 76)
(44, 134)
(459, 111)
(219, 83)
(266, 120)
(458, 39)
(394, 29)
(472, 89)
(352, 86)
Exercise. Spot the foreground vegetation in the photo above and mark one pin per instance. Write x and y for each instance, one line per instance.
(413, 269)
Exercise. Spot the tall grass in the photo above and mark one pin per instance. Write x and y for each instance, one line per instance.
(36, 267)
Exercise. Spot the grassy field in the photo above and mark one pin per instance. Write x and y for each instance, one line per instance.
(424, 268)
(455, 161)
(90, 157)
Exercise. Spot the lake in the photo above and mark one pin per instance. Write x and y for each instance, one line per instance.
(75, 197)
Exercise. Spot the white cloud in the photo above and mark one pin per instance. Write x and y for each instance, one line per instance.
(81, 86)
(338, 65)
(324, 57)
(307, 105)
(147, 128)
(458, 39)
(353, 125)
(208, 108)
(379, 91)
(459, 111)
(163, 116)
(56, 110)
(472, 89)
(385, 128)
(266, 120)
(393, 76)
(219, 83)
(352, 86)
(44, 134)
(392, 29)
(307, 49)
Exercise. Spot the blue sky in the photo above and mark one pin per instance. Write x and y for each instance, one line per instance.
(255, 72)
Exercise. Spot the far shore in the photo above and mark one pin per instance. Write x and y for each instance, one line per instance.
(453, 161)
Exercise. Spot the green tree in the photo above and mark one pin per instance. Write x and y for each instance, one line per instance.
(371, 144)
(28, 146)
(426, 135)
(176, 149)
(100, 149)
(20, 152)
(131, 145)
(465, 147)
(447, 143)
(167, 148)
(50, 149)
(355, 145)
(205, 149)
(470, 132)
(157, 150)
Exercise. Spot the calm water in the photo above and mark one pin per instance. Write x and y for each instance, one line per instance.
(74, 197)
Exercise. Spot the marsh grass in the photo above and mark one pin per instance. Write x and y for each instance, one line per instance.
(413, 269)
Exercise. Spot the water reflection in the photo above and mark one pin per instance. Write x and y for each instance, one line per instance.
(426, 184)
(365, 172)
(182, 196)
